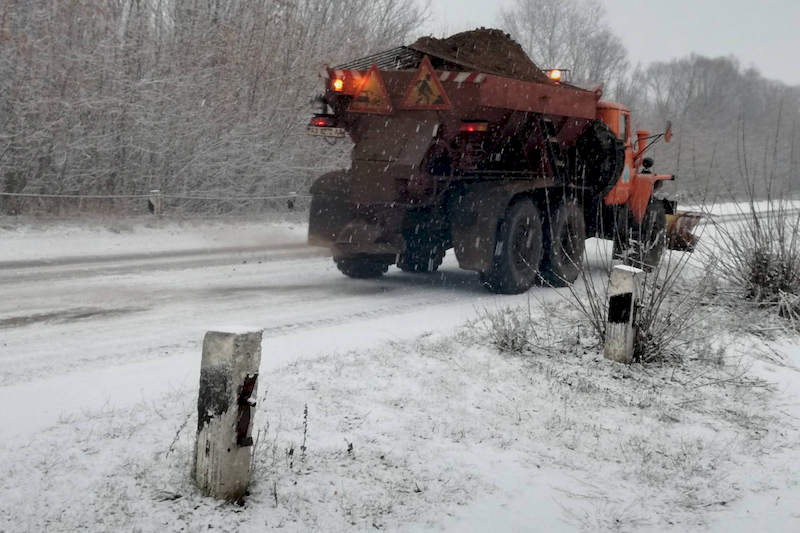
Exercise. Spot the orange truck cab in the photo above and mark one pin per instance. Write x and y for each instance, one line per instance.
(634, 188)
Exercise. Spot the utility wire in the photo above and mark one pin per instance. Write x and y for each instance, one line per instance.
(156, 195)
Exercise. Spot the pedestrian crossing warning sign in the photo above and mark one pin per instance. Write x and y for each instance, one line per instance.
(426, 91)
(371, 96)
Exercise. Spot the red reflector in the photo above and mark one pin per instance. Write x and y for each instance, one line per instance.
(474, 126)
(323, 122)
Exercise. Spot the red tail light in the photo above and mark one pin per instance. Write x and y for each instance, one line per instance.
(323, 121)
(474, 126)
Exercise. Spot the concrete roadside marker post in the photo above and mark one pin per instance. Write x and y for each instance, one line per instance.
(155, 203)
(624, 289)
(225, 410)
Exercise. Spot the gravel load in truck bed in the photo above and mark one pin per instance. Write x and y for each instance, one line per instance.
(484, 50)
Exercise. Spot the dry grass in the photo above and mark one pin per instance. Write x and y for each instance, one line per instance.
(669, 303)
(759, 253)
(409, 435)
(515, 329)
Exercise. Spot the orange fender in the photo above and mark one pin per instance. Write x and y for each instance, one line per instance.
(642, 193)
(636, 193)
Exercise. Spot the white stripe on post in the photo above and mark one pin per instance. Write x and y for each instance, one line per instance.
(624, 289)
(225, 411)
(461, 77)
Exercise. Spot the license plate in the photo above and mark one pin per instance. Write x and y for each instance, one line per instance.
(325, 131)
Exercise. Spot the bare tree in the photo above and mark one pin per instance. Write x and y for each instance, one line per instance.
(190, 96)
(570, 34)
(211, 97)
(734, 126)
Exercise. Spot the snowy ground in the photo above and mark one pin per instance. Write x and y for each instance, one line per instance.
(415, 422)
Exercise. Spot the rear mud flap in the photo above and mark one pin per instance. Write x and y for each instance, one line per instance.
(364, 237)
(331, 208)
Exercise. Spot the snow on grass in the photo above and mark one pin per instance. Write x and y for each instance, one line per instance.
(445, 432)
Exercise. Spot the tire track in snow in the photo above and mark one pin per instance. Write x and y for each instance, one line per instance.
(146, 256)
(350, 318)
(47, 272)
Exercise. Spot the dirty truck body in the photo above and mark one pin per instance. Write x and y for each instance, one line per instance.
(513, 175)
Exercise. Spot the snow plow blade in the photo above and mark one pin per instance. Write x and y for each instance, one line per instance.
(679, 230)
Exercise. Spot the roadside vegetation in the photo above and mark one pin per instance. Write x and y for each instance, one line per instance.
(416, 435)
(412, 435)
(712, 328)
(210, 98)
(760, 257)
(670, 299)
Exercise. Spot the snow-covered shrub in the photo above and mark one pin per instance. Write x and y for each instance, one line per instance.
(519, 329)
(669, 301)
(509, 329)
(759, 254)
(672, 297)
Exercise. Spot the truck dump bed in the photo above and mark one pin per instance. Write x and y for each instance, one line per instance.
(478, 69)
(472, 105)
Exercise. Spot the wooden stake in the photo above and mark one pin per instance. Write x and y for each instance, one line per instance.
(228, 387)
(623, 299)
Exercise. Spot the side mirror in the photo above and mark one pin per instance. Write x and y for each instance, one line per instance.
(668, 132)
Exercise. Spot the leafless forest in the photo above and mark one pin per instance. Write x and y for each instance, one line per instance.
(209, 98)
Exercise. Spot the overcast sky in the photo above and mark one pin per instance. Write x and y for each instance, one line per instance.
(762, 33)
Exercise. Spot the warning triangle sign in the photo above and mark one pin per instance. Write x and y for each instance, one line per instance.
(426, 92)
(371, 97)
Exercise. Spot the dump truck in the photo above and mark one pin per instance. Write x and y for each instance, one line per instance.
(465, 144)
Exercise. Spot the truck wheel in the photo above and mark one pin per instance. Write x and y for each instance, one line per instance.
(564, 243)
(515, 266)
(421, 256)
(361, 266)
(641, 245)
(603, 157)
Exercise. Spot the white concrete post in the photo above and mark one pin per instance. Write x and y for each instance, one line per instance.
(155, 202)
(624, 289)
(228, 386)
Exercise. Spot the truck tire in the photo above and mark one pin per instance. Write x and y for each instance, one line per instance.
(641, 245)
(421, 256)
(564, 244)
(602, 156)
(518, 253)
(361, 266)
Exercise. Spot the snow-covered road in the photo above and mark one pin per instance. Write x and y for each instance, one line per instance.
(100, 335)
(78, 332)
